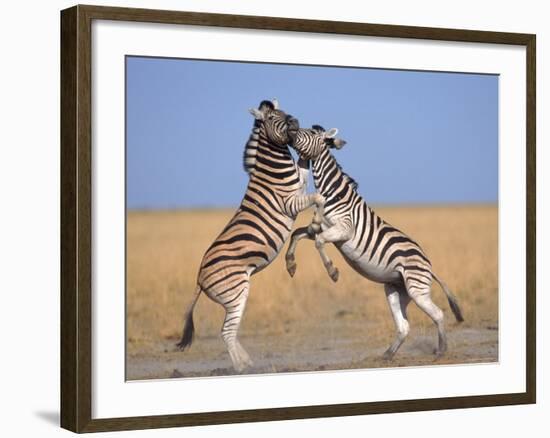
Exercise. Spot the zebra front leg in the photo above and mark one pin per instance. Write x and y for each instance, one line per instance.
(297, 235)
(315, 225)
(340, 232)
(297, 204)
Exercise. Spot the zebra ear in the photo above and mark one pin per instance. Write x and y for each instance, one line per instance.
(275, 103)
(338, 143)
(331, 133)
(258, 115)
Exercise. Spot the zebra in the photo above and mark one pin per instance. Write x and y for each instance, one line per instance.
(370, 245)
(276, 193)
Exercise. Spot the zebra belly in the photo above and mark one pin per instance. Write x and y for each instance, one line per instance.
(261, 263)
(243, 248)
(369, 270)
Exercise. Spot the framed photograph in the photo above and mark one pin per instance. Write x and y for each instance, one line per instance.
(269, 218)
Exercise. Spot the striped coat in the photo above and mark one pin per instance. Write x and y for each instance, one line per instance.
(260, 227)
(373, 247)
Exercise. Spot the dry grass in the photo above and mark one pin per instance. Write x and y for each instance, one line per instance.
(165, 249)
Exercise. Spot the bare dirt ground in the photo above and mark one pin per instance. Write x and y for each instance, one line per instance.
(348, 348)
(307, 323)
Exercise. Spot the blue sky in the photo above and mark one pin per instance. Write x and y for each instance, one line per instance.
(413, 137)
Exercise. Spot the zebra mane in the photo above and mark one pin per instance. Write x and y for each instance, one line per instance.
(330, 142)
(251, 148)
(318, 128)
(354, 184)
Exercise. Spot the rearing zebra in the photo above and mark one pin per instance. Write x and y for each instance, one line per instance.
(276, 193)
(374, 248)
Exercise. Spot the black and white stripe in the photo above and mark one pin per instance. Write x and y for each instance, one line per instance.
(373, 247)
(259, 228)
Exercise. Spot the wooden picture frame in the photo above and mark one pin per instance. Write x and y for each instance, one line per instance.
(76, 217)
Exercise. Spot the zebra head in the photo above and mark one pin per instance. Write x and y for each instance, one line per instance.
(310, 143)
(279, 126)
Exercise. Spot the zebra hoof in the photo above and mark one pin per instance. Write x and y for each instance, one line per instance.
(241, 360)
(334, 274)
(243, 365)
(239, 368)
(387, 356)
(315, 228)
(291, 268)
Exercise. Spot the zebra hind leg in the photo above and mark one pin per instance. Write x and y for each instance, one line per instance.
(234, 309)
(425, 303)
(398, 300)
(420, 294)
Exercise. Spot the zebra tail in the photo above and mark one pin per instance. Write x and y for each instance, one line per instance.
(453, 302)
(189, 327)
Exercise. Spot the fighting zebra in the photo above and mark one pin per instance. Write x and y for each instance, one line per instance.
(276, 193)
(371, 246)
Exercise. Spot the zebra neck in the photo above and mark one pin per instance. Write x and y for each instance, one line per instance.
(274, 165)
(325, 170)
(258, 143)
(328, 176)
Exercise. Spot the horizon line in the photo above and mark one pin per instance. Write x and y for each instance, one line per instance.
(376, 204)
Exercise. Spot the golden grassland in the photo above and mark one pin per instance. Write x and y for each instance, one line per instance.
(164, 250)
